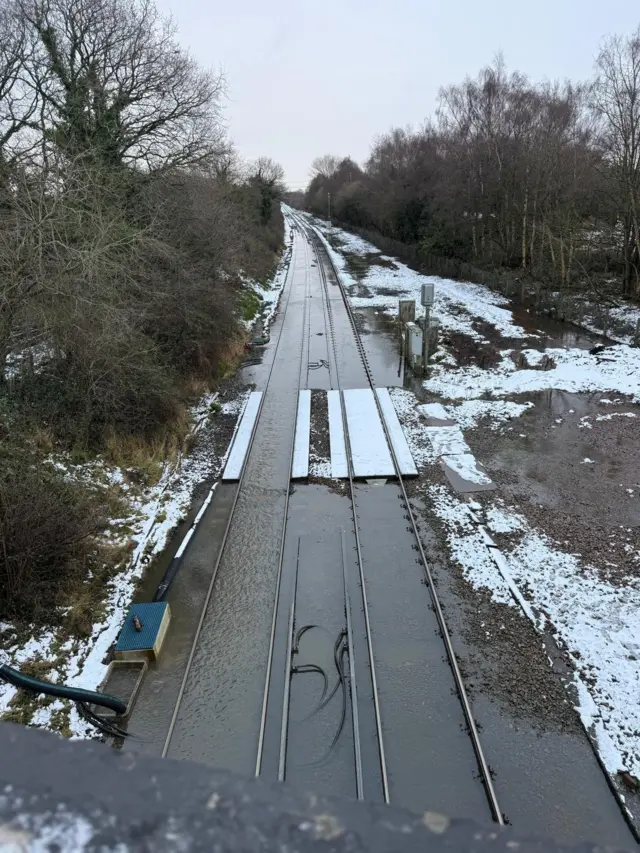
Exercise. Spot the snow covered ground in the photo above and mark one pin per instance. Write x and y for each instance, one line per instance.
(595, 621)
(457, 304)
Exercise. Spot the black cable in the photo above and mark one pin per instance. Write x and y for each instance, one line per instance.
(106, 726)
(306, 668)
(337, 644)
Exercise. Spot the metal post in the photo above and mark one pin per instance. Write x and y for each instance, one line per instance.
(425, 339)
(329, 206)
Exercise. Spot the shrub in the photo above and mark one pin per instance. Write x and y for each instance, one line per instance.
(46, 524)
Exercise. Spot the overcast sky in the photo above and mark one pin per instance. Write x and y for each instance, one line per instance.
(312, 77)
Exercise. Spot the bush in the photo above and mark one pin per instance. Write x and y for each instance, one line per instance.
(45, 529)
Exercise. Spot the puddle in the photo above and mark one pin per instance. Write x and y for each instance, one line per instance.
(554, 333)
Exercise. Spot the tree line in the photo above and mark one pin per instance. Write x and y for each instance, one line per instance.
(128, 224)
(544, 178)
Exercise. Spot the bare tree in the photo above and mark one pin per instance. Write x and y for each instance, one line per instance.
(115, 83)
(616, 101)
(18, 101)
(324, 166)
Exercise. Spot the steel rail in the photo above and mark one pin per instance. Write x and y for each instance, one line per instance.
(265, 695)
(365, 605)
(355, 718)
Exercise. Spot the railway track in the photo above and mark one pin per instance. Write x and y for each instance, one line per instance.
(483, 766)
(356, 688)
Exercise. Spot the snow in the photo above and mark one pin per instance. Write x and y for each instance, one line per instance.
(457, 304)
(466, 466)
(271, 292)
(610, 416)
(320, 468)
(153, 514)
(446, 440)
(621, 326)
(600, 623)
(434, 410)
(575, 371)
(408, 413)
(369, 449)
(595, 621)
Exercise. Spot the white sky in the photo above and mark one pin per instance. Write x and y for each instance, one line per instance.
(324, 77)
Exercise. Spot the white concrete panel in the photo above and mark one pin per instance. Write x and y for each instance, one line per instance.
(300, 467)
(369, 450)
(398, 440)
(242, 440)
(339, 469)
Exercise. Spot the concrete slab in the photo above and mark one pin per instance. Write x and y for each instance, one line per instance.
(369, 448)
(242, 439)
(398, 440)
(436, 415)
(447, 440)
(465, 474)
(300, 467)
(339, 467)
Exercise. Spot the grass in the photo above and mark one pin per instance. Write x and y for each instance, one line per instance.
(250, 304)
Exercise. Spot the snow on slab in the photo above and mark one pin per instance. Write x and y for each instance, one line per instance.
(300, 467)
(242, 440)
(434, 410)
(465, 465)
(396, 433)
(447, 440)
(369, 449)
(339, 467)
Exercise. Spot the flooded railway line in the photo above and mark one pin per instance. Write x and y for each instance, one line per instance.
(322, 656)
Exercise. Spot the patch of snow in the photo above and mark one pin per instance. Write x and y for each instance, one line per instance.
(466, 466)
(235, 406)
(575, 371)
(467, 545)
(468, 413)
(499, 521)
(598, 624)
(447, 440)
(319, 467)
(408, 413)
(587, 461)
(611, 415)
(434, 410)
